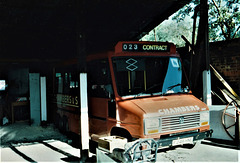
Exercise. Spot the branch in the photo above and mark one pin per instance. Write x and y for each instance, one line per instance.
(189, 44)
(220, 15)
(236, 31)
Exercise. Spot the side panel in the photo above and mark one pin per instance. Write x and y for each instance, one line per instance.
(67, 111)
(98, 115)
(66, 100)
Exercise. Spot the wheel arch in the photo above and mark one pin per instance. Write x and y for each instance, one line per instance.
(122, 132)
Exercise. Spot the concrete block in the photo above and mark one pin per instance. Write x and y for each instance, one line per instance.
(110, 142)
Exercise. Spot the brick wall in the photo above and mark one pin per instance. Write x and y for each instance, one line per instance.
(225, 58)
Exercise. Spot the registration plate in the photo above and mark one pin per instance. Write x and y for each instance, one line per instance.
(183, 141)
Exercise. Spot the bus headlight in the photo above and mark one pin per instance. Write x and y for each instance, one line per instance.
(152, 125)
(204, 118)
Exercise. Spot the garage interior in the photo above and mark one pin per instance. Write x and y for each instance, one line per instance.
(36, 36)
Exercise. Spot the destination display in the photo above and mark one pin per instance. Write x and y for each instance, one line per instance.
(145, 47)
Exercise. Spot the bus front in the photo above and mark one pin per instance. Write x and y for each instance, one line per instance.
(153, 99)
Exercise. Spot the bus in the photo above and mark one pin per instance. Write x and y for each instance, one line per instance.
(138, 90)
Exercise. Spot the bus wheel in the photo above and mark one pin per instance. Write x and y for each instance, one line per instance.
(56, 121)
(65, 125)
(116, 131)
(60, 124)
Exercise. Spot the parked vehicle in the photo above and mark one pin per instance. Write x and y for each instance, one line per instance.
(138, 90)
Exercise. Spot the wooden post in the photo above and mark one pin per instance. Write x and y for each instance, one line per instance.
(201, 60)
(207, 97)
(81, 55)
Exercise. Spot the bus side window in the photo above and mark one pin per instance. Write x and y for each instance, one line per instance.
(66, 83)
(74, 82)
(100, 79)
(59, 83)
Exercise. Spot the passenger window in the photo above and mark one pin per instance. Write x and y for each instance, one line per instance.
(59, 83)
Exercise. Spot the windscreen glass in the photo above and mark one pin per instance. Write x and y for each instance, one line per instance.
(148, 75)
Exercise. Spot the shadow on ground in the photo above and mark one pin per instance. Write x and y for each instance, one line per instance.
(22, 132)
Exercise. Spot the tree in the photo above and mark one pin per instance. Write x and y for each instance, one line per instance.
(224, 18)
(224, 22)
(171, 31)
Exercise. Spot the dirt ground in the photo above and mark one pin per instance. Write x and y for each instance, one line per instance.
(22, 132)
(28, 141)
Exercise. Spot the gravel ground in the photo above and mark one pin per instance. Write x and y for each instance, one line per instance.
(21, 132)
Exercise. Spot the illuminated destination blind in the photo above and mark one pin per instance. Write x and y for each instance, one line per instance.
(145, 47)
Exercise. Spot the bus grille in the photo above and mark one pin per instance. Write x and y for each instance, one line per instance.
(180, 122)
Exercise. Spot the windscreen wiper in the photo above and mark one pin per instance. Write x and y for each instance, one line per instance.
(153, 86)
(171, 87)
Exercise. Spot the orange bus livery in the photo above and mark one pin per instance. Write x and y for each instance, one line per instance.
(138, 90)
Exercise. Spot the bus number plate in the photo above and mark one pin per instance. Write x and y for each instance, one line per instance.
(182, 141)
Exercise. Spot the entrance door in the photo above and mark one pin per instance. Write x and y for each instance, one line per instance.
(100, 94)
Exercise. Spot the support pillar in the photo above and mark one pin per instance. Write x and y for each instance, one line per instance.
(81, 54)
(84, 126)
(207, 96)
(43, 100)
(34, 85)
(200, 62)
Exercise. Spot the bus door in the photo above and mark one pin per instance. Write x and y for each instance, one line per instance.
(101, 101)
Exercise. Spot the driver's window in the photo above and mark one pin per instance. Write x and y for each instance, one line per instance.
(100, 79)
(173, 76)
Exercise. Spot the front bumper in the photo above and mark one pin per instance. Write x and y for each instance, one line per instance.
(166, 142)
(145, 150)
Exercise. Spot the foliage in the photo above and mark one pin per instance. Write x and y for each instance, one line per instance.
(187, 10)
(171, 31)
(224, 19)
(224, 22)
